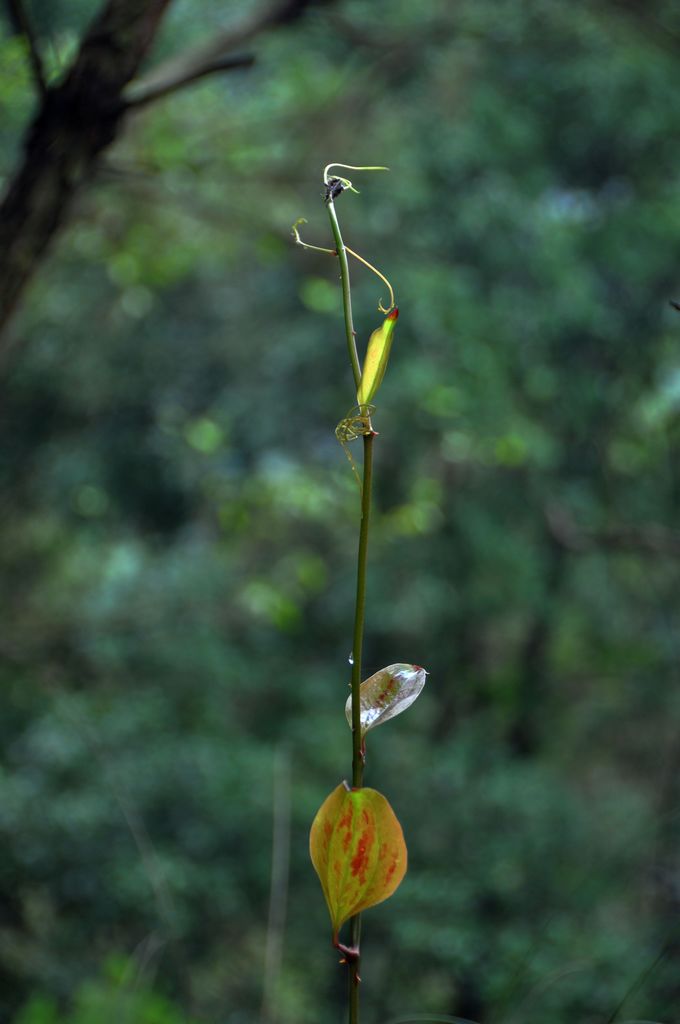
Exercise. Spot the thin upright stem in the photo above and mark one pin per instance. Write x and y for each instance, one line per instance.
(360, 612)
(354, 961)
(354, 979)
(357, 649)
(346, 294)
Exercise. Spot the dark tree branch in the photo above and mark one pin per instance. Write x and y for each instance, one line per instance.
(204, 59)
(80, 117)
(77, 120)
(149, 93)
(23, 27)
(524, 733)
(639, 14)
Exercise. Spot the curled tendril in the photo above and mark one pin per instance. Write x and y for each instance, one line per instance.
(305, 245)
(356, 423)
(349, 167)
(331, 252)
(382, 278)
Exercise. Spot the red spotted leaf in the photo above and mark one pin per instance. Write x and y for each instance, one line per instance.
(386, 694)
(358, 851)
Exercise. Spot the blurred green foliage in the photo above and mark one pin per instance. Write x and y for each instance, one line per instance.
(109, 998)
(179, 525)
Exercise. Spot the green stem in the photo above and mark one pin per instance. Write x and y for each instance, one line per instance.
(354, 980)
(359, 613)
(360, 603)
(357, 648)
(346, 294)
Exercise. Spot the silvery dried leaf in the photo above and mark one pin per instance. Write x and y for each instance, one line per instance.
(387, 693)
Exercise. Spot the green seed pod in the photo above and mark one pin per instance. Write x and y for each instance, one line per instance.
(375, 363)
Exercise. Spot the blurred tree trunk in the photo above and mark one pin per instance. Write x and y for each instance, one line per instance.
(533, 667)
(79, 117)
(76, 120)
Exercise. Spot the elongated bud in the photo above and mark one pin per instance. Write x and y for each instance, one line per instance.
(375, 363)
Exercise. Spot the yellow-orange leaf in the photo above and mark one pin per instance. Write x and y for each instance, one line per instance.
(358, 851)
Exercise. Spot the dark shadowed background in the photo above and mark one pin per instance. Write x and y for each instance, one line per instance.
(178, 523)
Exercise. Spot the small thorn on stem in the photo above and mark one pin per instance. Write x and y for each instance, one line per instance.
(350, 954)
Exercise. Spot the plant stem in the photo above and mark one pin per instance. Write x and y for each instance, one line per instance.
(354, 979)
(359, 613)
(353, 961)
(346, 294)
(357, 646)
(360, 603)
